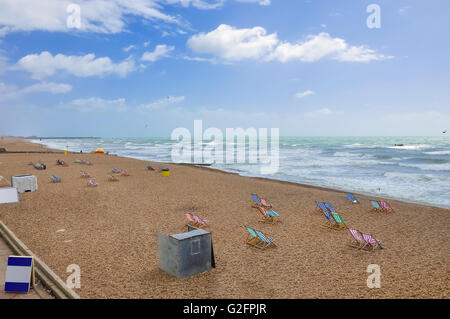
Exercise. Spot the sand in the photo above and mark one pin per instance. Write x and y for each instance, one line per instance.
(110, 231)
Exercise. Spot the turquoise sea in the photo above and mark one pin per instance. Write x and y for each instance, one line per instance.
(419, 171)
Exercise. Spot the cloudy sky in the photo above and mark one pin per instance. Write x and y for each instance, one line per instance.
(136, 68)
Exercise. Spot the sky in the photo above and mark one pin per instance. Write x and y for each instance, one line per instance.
(142, 68)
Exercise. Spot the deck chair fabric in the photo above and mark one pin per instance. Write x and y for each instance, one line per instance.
(376, 206)
(91, 182)
(200, 222)
(252, 238)
(372, 242)
(55, 179)
(352, 199)
(340, 222)
(358, 240)
(84, 174)
(265, 203)
(330, 207)
(124, 173)
(266, 241)
(191, 220)
(256, 201)
(267, 218)
(385, 206)
(330, 222)
(115, 170)
(321, 206)
(150, 168)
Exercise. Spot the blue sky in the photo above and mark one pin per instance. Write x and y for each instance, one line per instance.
(144, 67)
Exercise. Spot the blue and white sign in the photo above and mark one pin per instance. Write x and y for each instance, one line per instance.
(19, 274)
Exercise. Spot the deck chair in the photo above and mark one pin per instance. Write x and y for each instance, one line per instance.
(339, 220)
(115, 170)
(265, 203)
(84, 174)
(321, 207)
(62, 163)
(163, 169)
(55, 179)
(256, 201)
(91, 182)
(124, 173)
(385, 206)
(150, 168)
(112, 178)
(267, 218)
(252, 238)
(352, 199)
(191, 220)
(358, 240)
(330, 207)
(330, 222)
(266, 241)
(200, 222)
(376, 206)
(372, 242)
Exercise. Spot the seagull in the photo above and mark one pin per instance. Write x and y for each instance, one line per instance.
(444, 131)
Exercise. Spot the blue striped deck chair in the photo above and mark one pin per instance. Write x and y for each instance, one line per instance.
(272, 213)
(266, 241)
(321, 207)
(330, 223)
(330, 207)
(252, 238)
(352, 199)
(256, 202)
(55, 179)
(376, 206)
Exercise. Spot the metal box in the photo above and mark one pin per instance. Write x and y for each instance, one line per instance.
(24, 183)
(185, 254)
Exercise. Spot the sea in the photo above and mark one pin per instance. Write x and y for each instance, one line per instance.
(417, 171)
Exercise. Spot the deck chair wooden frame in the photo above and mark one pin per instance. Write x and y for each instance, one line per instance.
(330, 222)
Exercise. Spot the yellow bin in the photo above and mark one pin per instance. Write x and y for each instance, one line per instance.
(165, 173)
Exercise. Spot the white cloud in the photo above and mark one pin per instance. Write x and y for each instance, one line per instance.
(96, 15)
(199, 4)
(160, 51)
(11, 92)
(234, 44)
(322, 112)
(45, 64)
(95, 104)
(301, 95)
(322, 46)
(161, 103)
(260, 2)
(130, 47)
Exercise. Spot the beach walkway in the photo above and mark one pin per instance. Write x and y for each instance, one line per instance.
(35, 293)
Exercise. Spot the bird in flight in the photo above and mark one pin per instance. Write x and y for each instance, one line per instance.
(444, 131)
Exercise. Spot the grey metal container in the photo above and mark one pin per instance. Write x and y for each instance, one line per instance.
(185, 254)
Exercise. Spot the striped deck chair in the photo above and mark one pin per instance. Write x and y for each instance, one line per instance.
(150, 168)
(124, 173)
(116, 171)
(265, 203)
(340, 222)
(358, 240)
(91, 182)
(385, 206)
(322, 208)
(330, 207)
(376, 206)
(55, 179)
(191, 220)
(266, 241)
(200, 222)
(112, 178)
(330, 222)
(256, 201)
(84, 174)
(352, 199)
(252, 238)
(372, 242)
(267, 218)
